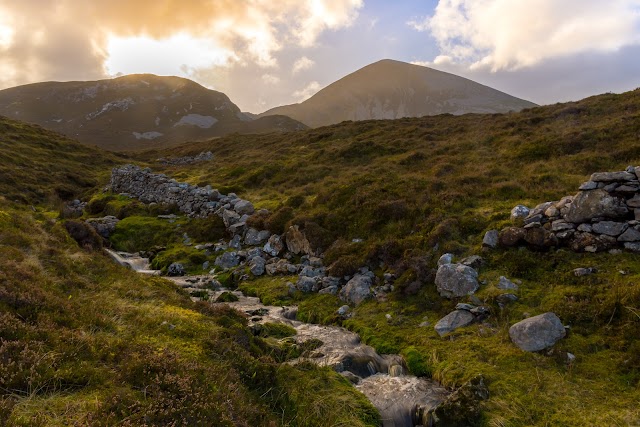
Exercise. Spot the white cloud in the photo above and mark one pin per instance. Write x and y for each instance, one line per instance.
(302, 64)
(270, 79)
(308, 91)
(508, 34)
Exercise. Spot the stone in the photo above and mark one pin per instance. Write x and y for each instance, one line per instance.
(281, 266)
(628, 188)
(630, 235)
(445, 259)
(562, 225)
(534, 219)
(589, 185)
(539, 210)
(235, 243)
(274, 245)
(584, 271)
(227, 260)
(519, 213)
(357, 290)
(490, 239)
(511, 236)
(257, 266)
(506, 284)
(538, 332)
(587, 242)
(610, 228)
(585, 228)
(588, 205)
(634, 202)
(540, 237)
(176, 269)
(332, 290)
(254, 237)
(229, 217)
(454, 320)
(297, 242)
(309, 271)
(462, 408)
(612, 176)
(243, 207)
(504, 299)
(465, 306)
(307, 284)
(636, 214)
(473, 261)
(104, 226)
(343, 310)
(632, 246)
(456, 280)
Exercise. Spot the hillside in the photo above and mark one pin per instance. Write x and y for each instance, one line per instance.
(133, 112)
(392, 89)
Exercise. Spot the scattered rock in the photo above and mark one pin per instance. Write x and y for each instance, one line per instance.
(358, 289)
(454, 320)
(580, 272)
(257, 266)
(227, 260)
(538, 332)
(456, 280)
(506, 284)
(176, 269)
(490, 239)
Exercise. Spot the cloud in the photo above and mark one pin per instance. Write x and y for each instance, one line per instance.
(507, 34)
(302, 64)
(308, 91)
(70, 39)
(270, 79)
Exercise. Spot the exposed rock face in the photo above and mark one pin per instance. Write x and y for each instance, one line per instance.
(454, 320)
(297, 242)
(358, 289)
(538, 332)
(602, 216)
(456, 280)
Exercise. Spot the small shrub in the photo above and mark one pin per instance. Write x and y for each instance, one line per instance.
(84, 234)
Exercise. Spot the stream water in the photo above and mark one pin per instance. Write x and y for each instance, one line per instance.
(398, 397)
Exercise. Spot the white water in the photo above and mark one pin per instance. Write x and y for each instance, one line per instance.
(133, 261)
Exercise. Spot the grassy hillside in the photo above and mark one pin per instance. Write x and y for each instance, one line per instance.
(37, 165)
(413, 189)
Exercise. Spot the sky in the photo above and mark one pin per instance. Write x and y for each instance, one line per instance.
(265, 53)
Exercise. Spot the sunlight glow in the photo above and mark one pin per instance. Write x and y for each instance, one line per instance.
(177, 55)
(6, 32)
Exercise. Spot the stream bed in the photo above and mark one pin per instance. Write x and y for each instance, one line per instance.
(403, 400)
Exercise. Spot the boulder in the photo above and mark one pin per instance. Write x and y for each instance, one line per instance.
(456, 280)
(254, 237)
(540, 237)
(506, 284)
(519, 213)
(538, 332)
(227, 260)
(309, 271)
(281, 266)
(631, 235)
(588, 205)
(230, 217)
(104, 226)
(454, 320)
(297, 242)
(274, 245)
(257, 266)
(490, 239)
(612, 176)
(445, 259)
(307, 284)
(176, 269)
(587, 242)
(358, 289)
(243, 207)
(610, 228)
(511, 236)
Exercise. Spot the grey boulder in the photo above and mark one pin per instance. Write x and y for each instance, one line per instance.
(538, 332)
(358, 289)
(456, 280)
(595, 204)
(454, 320)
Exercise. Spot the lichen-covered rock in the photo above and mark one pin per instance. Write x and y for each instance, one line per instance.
(456, 280)
(538, 332)
(454, 320)
(490, 239)
(631, 235)
(445, 259)
(358, 289)
(254, 237)
(297, 242)
(227, 260)
(598, 203)
(519, 213)
(274, 245)
(257, 266)
(506, 284)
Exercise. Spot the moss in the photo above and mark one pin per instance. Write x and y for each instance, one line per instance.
(137, 233)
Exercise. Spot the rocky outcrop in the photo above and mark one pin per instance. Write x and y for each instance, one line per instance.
(603, 215)
(538, 332)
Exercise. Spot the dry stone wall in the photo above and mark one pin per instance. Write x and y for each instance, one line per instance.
(604, 215)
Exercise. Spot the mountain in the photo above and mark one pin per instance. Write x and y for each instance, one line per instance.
(390, 89)
(133, 112)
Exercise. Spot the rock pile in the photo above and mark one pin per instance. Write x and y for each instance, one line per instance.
(604, 215)
(187, 160)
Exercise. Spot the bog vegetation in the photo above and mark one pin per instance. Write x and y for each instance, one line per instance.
(407, 190)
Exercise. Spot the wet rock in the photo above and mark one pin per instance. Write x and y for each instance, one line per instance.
(610, 228)
(490, 239)
(274, 245)
(297, 242)
(358, 289)
(595, 204)
(454, 320)
(538, 332)
(227, 260)
(176, 269)
(506, 284)
(456, 280)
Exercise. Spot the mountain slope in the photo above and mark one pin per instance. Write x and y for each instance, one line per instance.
(392, 89)
(133, 112)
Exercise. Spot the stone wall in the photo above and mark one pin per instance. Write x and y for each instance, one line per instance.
(604, 215)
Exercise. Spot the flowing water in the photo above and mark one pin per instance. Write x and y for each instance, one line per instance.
(401, 399)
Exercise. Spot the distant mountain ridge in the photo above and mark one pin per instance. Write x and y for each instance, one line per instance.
(140, 111)
(390, 89)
